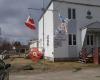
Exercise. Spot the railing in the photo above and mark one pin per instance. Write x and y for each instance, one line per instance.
(85, 55)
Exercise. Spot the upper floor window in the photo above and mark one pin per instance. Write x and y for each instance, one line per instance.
(71, 13)
(74, 13)
(89, 15)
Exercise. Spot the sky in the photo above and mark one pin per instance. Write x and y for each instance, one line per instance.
(13, 14)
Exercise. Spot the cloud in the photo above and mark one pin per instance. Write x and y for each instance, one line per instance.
(13, 14)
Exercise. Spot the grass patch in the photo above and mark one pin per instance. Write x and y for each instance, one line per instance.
(22, 65)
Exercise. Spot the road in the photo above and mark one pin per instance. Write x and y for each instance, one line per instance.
(83, 74)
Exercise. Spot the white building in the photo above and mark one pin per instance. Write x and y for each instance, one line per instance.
(83, 28)
(33, 44)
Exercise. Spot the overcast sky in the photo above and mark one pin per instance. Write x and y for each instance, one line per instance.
(13, 14)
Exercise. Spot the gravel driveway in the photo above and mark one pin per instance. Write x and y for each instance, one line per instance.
(83, 74)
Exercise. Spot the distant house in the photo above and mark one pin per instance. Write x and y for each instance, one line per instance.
(24, 49)
(83, 28)
(33, 44)
(19, 48)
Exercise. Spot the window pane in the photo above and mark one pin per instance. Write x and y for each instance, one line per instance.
(74, 39)
(69, 13)
(47, 40)
(88, 40)
(74, 14)
(70, 39)
(91, 39)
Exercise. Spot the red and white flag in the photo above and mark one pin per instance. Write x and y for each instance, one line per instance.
(30, 23)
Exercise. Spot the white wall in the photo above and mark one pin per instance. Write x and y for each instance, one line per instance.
(48, 31)
(52, 21)
(65, 51)
(60, 51)
(81, 20)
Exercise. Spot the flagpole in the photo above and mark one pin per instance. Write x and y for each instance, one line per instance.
(43, 40)
(43, 51)
(43, 9)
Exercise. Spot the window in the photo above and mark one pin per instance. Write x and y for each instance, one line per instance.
(47, 40)
(90, 39)
(72, 39)
(74, 14)
(71, 13)
(89, 15)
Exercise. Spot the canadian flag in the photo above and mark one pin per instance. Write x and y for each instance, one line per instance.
(30, 23)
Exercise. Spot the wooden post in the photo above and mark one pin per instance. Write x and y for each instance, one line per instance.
(96, 56)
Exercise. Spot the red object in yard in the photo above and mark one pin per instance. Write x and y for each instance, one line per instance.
(35, 54)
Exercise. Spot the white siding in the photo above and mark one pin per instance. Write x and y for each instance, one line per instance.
(81, 13)
(92, 2)
(48, 31)
(41, 33)
(65, 51)
(52, 21)
(60, 51)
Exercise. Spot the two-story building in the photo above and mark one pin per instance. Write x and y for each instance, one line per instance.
(83, 28)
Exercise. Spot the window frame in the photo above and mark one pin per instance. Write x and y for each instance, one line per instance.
(72, 40)
(74, 13)
(90, 39)
(71, 13)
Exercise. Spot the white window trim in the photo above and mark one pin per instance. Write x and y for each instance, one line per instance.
(90, 39)
(72, 39)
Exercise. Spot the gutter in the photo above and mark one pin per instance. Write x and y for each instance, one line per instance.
(67, 2)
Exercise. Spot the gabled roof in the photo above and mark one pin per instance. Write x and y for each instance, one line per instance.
(45, 9)
(94, 25)
(70, 2)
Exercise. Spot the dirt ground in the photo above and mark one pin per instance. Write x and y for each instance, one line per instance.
(84, 74)
(26, 69)
(24, 66)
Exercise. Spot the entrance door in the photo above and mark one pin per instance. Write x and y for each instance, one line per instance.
(90, 42)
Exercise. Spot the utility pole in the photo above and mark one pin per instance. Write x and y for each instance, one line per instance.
(43, 39)
(41, 9)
